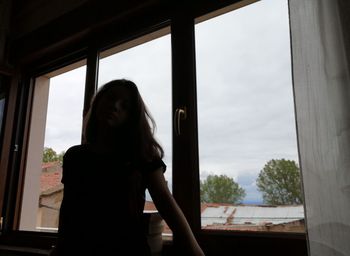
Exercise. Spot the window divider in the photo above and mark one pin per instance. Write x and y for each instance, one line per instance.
(92, 64)
(185, 145)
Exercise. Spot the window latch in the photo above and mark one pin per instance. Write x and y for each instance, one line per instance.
(180, 114)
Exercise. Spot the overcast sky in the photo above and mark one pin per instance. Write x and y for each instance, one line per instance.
(245, 99)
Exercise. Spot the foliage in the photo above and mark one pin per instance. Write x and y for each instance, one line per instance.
(279, 182)
(50, 155)
(221, 189)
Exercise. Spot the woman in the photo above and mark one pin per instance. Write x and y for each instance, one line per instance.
(105, 180)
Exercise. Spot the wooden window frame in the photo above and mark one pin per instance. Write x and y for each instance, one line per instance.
(185, 182)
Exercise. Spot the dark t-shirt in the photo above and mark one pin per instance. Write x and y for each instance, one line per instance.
(102, 207)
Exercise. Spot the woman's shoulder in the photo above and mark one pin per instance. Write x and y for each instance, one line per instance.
(75, 151)
(71, 160)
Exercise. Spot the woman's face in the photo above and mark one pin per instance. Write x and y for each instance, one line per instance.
(113, 108)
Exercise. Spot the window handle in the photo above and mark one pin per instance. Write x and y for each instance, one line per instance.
(180, 114)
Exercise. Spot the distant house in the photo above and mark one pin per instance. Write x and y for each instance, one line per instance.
(253, 217)
(51, 194)
(247, 217)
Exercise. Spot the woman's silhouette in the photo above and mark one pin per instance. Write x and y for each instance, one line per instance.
(105, 180)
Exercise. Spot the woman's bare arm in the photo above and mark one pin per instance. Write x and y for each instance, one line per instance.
(170, 211)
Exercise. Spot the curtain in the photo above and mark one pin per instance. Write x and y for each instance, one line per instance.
(320, 54)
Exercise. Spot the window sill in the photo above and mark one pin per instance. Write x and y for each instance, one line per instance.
(213, 242)
(19, 250)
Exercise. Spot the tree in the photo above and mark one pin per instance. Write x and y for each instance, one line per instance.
(279, 182)
(221, 189)
(50, 155)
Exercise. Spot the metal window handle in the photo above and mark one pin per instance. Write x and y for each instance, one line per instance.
(180, 114)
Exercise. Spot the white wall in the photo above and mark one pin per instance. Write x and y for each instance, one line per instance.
(30, 200)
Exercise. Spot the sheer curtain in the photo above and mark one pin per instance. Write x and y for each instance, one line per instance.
(320, 48)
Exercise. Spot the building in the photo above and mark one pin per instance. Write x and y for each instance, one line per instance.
(51, 194)
(214, 216)
(261, 218)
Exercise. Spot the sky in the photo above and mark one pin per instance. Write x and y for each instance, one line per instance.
(244, 91)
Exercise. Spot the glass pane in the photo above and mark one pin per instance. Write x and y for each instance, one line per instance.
(56, 125)
(250, 178)
(3, 95)
(148, 65)
(2, 109)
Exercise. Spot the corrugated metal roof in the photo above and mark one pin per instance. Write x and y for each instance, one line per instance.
(256, 215)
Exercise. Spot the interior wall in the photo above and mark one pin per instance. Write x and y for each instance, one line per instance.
(5, 11)
(33, 169)
(320, 47)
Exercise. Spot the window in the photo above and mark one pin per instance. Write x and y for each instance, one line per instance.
(58, 101)
(250, 180)
(232, 68)
(148, 65)
(56, 125)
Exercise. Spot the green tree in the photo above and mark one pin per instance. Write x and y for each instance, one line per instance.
(50, 155)
(279, 182)
(221, 189)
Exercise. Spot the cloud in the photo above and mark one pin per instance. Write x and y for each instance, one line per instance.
(65, 108)
(245, 100)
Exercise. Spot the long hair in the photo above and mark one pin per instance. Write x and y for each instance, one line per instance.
(140, 126)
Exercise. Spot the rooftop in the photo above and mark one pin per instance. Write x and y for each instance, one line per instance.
(50, 178)
(251, 214)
